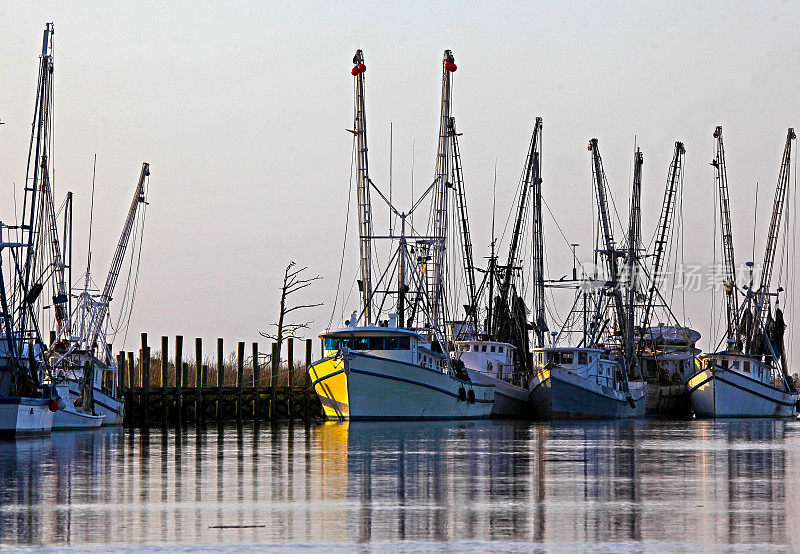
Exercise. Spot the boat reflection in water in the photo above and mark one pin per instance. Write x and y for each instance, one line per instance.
(566, 485)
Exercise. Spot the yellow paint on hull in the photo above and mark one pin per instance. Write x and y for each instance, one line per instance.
(330, 384)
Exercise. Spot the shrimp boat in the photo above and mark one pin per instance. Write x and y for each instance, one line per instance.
(601, 375)
(494, 363)
(87, 371)
(398, 368)
(750, 377)
(30, 256)
(499, 355)
(669, 358)
(377, 372)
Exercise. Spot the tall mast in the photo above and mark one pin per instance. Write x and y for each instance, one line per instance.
(729, 263)
(439, 231)
(762, 300)
(608, 234)
(31, 227)
(634, 239)
(535, 179)
(362, 186)
(119, 255)
(531, 162)
(664, 227)
(463, 219)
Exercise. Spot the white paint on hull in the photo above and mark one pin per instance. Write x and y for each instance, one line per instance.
(720, 392)
(21, 417)
(113, 409)
(563, 394)
(385, 389)
(510, 401)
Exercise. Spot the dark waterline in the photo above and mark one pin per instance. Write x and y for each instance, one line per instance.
(465, 485)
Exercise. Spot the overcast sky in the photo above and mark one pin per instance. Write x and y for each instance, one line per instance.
(241, 111)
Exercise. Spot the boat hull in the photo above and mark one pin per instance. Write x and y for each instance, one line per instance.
(510, 401)
(560, 394)
(21, 417)
(358, 386)
(719, 392)
(113, 409)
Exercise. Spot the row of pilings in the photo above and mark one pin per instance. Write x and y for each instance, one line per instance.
(244, 385)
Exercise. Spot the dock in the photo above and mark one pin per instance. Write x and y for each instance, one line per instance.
(245, 386)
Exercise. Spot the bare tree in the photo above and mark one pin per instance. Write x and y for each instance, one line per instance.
(292, 282)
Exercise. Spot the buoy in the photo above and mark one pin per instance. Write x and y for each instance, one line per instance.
(450, 66)
(361, 68)
(462, 394)
(53, 405)
(471, 396)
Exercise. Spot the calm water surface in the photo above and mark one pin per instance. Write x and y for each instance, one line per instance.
(649, 485)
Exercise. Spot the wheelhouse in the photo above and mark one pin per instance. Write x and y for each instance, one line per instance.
(384, 342)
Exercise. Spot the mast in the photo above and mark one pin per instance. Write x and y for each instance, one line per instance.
(362, 186)
(439, 232)
(608, 236)
(37, 159)
(634, 238)
(664, 226)
(729, 263)
(463, 219)
(522, 208)
(119, 255)
(762, 299)
(539, 321)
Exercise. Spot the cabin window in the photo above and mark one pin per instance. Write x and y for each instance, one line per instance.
(746, 367)
(331, 344)
(735, 364)
(582, 358)
(475, 348)
(500, 349)
(492, 348)
(554, 357)
(361, 343)
(396, 343)
(567, 357)
(484, 348)
(375, 343)
(725, 363)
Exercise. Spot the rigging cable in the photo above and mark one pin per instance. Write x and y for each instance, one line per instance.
(344, 240)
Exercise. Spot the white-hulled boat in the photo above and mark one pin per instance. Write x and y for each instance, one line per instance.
(75, 415)
(388, 373)
(493, 363)
(100, 397)
(750, 378)
(732, 384)
(584, 383)
(25, 416)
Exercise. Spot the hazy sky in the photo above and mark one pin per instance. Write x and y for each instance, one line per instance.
(241, 111)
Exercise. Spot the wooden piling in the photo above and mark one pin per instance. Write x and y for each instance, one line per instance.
(198, 361)
(239, 379)
(198, 377)
(145, 362)
(131, 370)
(121, 371)
(290, 360)
(309, 345)
(164, 363)
(179, 373)
(220, 376)
(276, 359)
(256, 381)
